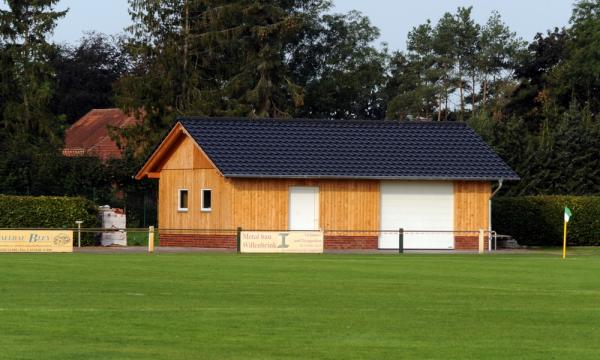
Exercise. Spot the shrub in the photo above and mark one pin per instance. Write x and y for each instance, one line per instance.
(538, 220)
(48, 212)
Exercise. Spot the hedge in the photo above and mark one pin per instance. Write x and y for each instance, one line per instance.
(538, 220)
(46, 212)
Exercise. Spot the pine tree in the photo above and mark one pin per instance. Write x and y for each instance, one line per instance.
(24, 26)
(499, 48)
(212, 57)
(467, 34)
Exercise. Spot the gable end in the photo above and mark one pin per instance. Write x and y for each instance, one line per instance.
(177, 151)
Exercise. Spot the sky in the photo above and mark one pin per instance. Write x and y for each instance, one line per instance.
(394, 18)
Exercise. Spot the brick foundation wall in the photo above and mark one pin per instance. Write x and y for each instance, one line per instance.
(199, 240)
(331, 242)
(351, 242)
(469, 243)
(229, 241)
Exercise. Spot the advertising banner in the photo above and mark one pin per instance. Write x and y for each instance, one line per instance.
(36, 241)
(281, 242)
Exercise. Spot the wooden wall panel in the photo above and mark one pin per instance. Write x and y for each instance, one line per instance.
(200, 160)
(182, 155)
(471, 205)
(350, 205)
(343, 204)
(261, 203)
(220, 217)
(188, 168)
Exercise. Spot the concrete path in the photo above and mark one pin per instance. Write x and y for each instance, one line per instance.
(143, 249)
(175, 250)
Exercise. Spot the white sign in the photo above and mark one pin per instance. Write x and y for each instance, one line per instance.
(281, 242)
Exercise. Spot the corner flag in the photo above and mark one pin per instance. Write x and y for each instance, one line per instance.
(568, 214)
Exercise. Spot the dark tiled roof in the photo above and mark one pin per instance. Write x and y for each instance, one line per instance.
(374, 149)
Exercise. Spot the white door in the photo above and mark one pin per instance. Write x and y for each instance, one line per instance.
(304, 208)
(425, 206)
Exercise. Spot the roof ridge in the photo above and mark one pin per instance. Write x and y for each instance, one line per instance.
(321, 120)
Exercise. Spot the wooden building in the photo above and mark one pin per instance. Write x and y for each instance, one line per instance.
(349, 178)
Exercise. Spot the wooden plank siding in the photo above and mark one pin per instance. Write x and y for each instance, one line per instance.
(181, 155)
(343, 204)
(220, 217)
(263, 204)
(350, 205)
(471, 211)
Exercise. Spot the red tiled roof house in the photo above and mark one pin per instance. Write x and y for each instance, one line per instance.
(90, 136)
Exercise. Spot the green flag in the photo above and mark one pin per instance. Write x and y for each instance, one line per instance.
(567, 214)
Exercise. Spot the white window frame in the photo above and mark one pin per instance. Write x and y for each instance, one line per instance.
(202, 208)
(179, 208)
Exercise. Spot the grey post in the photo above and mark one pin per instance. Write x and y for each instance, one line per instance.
(239, 240)
(400, 240)
(78, 222)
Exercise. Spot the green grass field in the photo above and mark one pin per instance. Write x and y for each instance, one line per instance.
(227, 306)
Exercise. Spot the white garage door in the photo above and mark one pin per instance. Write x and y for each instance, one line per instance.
(417, 205)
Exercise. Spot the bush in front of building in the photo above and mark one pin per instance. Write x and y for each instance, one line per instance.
(538, 220)
(48, 212)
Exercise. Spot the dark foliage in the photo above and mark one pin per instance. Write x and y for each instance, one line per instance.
(85, 75)
(538, 220)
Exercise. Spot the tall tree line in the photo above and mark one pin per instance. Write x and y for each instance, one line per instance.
(248, 58)
(456, 67)
(535, 103)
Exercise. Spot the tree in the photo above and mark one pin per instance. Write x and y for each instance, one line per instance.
(455, 55)
(86, 73)
(499, 51)
(211, 57)
(578, 76)
(467, 36)
(535, 97)
(445, 51)
(23, 30)
(409, 93)
(342, 73)
(415, 77)
(8, 87)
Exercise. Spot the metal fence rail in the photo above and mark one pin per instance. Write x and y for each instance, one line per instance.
(393, 239)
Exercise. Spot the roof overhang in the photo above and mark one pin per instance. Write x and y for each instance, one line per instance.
(152, 167)
(160, 154)
(350, 177)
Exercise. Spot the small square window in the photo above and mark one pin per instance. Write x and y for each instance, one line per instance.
(182, 204)
(206, 200)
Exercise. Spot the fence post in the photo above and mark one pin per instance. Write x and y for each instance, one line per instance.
(401, 241)
(78, 222)
(238, 240)
(481, 242)
(151, 239)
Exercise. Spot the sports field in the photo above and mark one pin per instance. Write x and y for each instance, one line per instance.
(227, 306)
